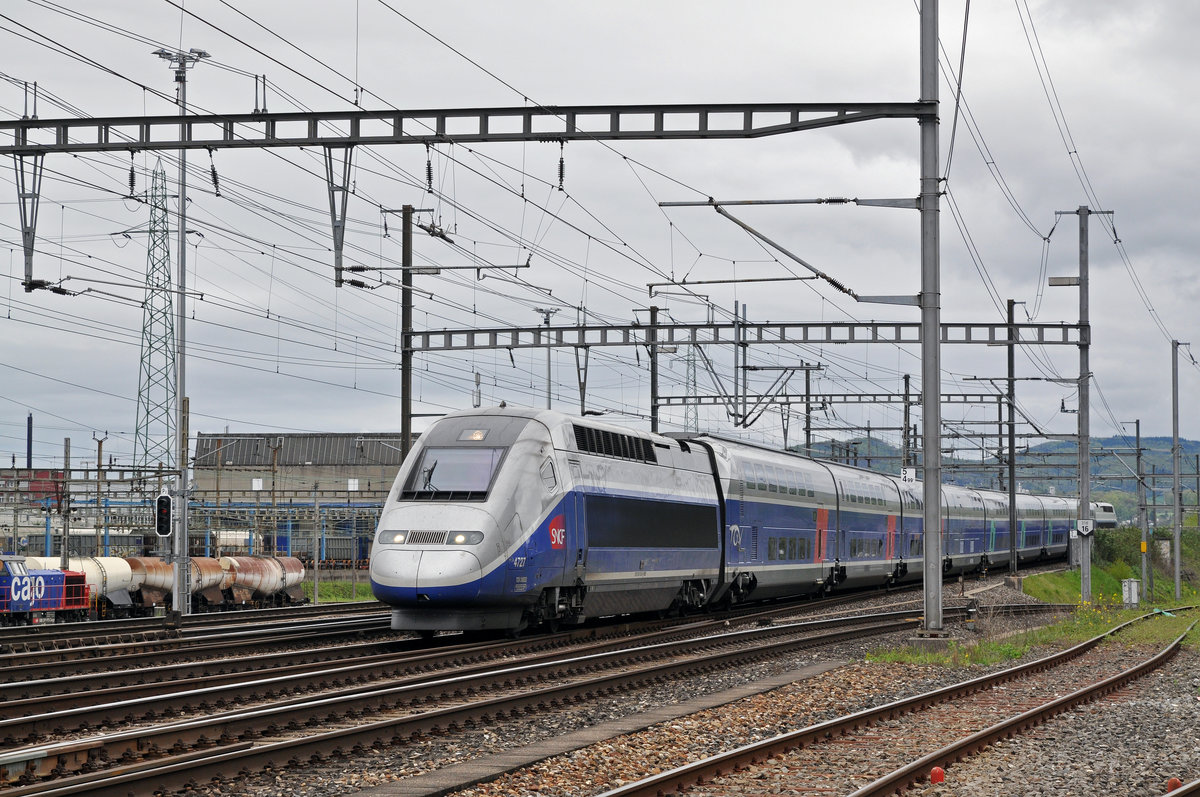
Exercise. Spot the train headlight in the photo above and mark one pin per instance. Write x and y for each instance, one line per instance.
(464, 538)
(392, 537)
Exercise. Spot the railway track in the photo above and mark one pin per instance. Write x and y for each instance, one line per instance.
(66, 636)
(60, 652)
(216, 642)
(888, 749)
(374, 705)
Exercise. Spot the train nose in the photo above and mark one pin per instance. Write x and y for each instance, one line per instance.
(417, 576)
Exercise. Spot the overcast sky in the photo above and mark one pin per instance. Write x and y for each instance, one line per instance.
(1066, 103)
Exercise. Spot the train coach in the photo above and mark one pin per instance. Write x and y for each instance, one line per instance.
(506, 518)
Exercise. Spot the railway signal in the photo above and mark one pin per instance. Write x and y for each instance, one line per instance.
(162, 516)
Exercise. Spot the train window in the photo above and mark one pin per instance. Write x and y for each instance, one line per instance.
(791, 480)
(761, 476)
(782, 548)
(792, 548)
(442, 470)
(772, 479)
(548, 477)
(771, 548)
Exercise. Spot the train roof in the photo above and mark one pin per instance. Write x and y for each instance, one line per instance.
(257, 449)
(557, 418)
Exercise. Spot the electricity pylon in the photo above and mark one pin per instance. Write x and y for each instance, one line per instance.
(156, 387)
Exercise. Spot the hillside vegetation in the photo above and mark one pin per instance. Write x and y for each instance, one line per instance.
(1116, 556)
(1111, 457)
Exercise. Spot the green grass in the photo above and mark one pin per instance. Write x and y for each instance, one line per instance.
(1085, 623)
(341, 591)
(1063, 586)
(956, 655)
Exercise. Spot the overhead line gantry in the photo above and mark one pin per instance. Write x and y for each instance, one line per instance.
(338, 132)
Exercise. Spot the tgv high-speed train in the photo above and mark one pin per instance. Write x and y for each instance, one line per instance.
(508, 518)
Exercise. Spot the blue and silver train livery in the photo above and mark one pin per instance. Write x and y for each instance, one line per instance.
(506, 518)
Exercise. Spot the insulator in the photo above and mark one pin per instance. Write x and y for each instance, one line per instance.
(132, 181)
(212, 169)
(429, 175)
(562, 169)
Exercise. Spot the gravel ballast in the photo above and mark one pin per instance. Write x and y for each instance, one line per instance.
(1148, 734)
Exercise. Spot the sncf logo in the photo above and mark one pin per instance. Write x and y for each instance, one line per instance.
(558, 532)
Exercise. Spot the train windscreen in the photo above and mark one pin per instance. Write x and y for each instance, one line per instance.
(444, 470)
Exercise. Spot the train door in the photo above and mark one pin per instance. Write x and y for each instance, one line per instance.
(576, 537)
(740, 524)
(823, 552)
(947, 531)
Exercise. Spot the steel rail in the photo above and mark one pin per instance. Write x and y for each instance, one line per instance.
(369, 660)
(1185, 790)
(681, 778)
(132, 653)
(166, 698)
(30, 638)
(239, 725)
(916, 771)
(39, 695)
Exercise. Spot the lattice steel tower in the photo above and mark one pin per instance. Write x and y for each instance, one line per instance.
(691, 410)
(156, 387)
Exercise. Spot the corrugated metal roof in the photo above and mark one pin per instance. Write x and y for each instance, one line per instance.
(256, 450)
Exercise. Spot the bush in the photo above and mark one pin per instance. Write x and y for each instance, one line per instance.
(1118, 546)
